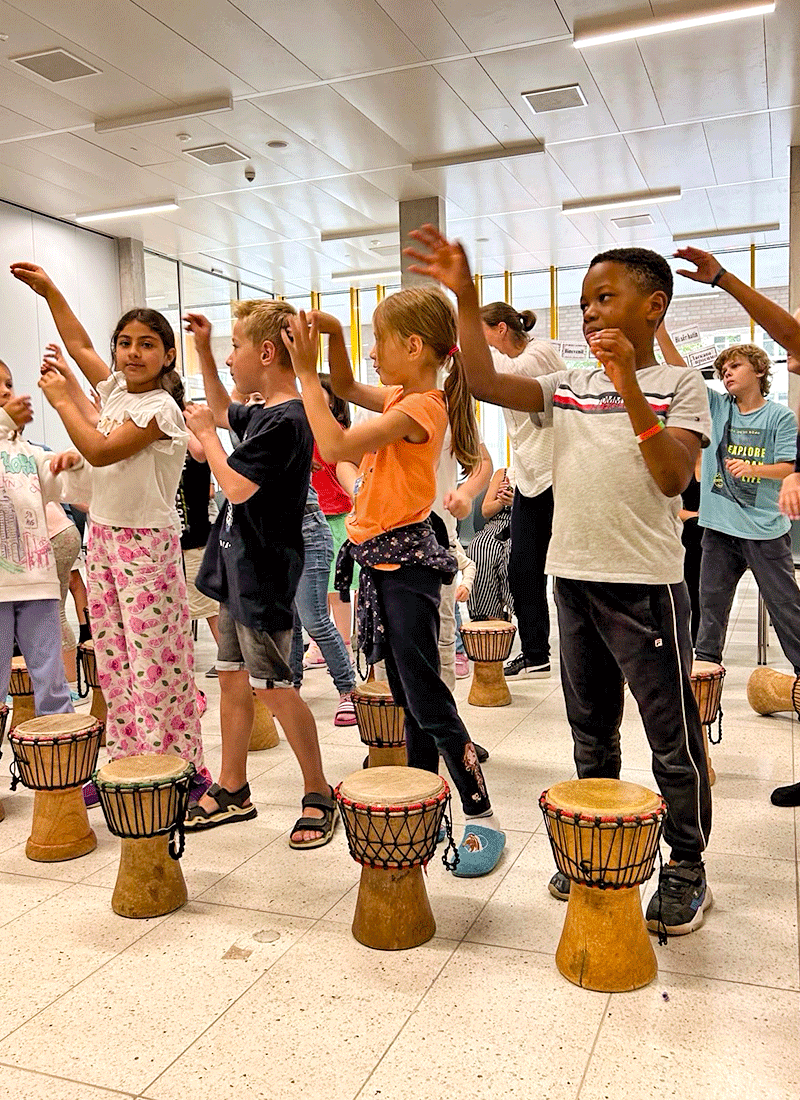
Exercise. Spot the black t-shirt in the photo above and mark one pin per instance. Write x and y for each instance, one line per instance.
(254, 557)
(192, 503)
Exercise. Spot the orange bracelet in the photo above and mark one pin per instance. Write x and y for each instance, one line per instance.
(656, 428)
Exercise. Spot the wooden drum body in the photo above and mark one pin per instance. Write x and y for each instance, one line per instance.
(264, 734)
(144, 800)
(54, 756)
(770, 691)
(20, 689)
(604, 835)
(488, 644)
(381, 724)
(391, 817)
(88, 665)
(707, 679)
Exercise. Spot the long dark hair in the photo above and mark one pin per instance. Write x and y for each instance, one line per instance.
(339, 407)
(169, 379)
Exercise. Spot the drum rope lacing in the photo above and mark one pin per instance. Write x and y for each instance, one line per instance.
(129, 816)
(3, 721)
(79, 670)
(407, 836)
(708, 726)
(63, 772)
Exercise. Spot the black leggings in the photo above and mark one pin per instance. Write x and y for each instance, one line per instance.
(409, 605)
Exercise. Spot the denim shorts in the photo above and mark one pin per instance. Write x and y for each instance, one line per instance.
(265, 656)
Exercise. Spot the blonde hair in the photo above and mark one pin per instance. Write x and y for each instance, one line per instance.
(755, 356)
(263, 319)
(424, 311)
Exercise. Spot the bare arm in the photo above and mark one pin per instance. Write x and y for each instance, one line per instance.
(75, 337)
(775, 471)
(781, 326)
(346, 473)
(342, 378)
(217, 396)
(447, 264)
(200, 422)
(498, 496)
(54, 360)
(459, 502)
(671, 354)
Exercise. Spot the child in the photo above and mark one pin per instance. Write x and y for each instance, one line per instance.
(137, 594)
(491, 594)
(466, 579)
(254, 560)
(194, 494)
(402, 564)
(29, 586)
(616, 552)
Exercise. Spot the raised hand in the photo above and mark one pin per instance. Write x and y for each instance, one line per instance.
(200, 328)
(616, 354)
(326, 322)
(33, 276)
(302, 341)
(20, 409)
(55, 387)
(440, 259)
(708, 266)
(53, 359)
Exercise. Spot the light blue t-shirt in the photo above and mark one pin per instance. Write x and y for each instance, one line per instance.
(745, 507)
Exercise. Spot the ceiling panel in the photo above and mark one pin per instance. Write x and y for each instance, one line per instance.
(602, 167)
(674, 157)
(424, 24)
(483, 188)
(399, 183)
(694, 211)
(544, 231)
(44, 106)
(543, 179)
(631, 102)
(483, 25)
(784, 128)
(14, 126)
(750, 203)
(741, 148)
(782, 32)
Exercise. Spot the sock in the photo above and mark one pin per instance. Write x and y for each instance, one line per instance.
(489, 820)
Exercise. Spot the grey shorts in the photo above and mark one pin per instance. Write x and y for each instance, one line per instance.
(264, 656)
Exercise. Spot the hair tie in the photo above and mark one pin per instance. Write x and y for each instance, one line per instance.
(453, 350)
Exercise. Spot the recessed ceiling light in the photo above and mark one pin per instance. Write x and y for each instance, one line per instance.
(598, 33)
(632, 221)
(481, 240)
(277, 144)
(55, 65)
(219, 153)
(183, 136)
(127, 211)
(555, 99)
(373, 244)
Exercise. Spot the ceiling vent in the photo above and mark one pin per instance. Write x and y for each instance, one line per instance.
(555, 99)
(55, 65)
(221, 153)
(633, 221)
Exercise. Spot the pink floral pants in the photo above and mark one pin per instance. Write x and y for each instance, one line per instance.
(143, 643)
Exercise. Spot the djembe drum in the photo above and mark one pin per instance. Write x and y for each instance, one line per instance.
(604, 835)
(391, 817)
(488, 643)
(707, 679)
(770, 691)
(264, 734)
(54, 755)
(381, 724)
(3, 721)
(87, 665)
(144, 800)
(20, 689)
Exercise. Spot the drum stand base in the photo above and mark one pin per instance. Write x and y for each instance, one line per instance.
(150, 882)
(2, 812)
(393, 912)
(489, 687)
(604, 944)
(23, 710)
(388, 756)
(60, 828)
(264, 734)
(99, 710)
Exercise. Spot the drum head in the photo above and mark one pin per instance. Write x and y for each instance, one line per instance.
(706, 668)
(375, 689)
(391, 786)
(55, 725)
(490, 624)
(593, 797)
(148, 768)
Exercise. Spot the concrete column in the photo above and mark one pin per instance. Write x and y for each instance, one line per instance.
(794, 256)
(413, 214)
(130, 255)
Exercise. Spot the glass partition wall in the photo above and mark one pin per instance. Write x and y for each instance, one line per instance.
(701, 319)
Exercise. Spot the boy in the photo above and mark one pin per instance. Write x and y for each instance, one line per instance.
(254, 559)
(616, 554)
(30, 594)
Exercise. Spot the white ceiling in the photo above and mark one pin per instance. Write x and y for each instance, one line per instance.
(360, 89)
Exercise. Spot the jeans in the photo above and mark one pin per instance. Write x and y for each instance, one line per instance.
(35, 625)
(311, 604)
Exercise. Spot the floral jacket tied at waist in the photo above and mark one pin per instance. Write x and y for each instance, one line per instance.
(415, 544)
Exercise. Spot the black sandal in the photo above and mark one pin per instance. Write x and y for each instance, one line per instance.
(323, 825)
(230, 808)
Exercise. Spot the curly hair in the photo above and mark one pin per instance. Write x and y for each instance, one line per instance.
(755, 356)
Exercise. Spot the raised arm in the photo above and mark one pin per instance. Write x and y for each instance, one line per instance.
(499, 495)
(54, 360)
(447, 263)
(459, 502)
(74, 335)
(342, 378)
(217, 396)
(671, 354)
(781, 326)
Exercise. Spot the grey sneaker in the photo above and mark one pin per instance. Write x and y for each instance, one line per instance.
(559, 886)
(681, 899)
(517, 667)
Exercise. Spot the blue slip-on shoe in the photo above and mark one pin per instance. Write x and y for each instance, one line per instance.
(479, 851)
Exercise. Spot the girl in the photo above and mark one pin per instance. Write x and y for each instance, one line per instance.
(137, 594)
(402, 564)
(491, 596)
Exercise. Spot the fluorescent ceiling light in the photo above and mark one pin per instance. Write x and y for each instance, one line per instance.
(352, 234)
(498, 152)
(363, 273)
(168, 114)
(127, 211)
(731, 231)
(608, 202)
(598, 33)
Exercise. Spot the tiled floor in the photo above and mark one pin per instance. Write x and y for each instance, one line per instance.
(257, 989)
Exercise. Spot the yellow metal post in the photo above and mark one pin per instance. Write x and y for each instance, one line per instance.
(507, 286)
(315, 304)
(380, 293)
(355, 330)
(553, 303)
(478, 279)
(753, 285)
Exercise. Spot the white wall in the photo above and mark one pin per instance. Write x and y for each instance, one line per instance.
(84, 267)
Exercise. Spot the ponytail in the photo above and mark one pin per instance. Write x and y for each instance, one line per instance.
(172, 382)
(461, 413)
